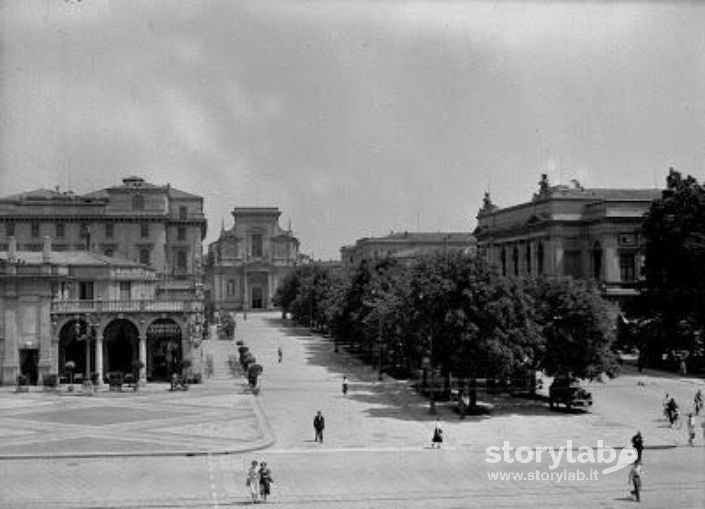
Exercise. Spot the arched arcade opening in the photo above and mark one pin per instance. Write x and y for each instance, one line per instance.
(73, 336)
(120, 346)
(164, 351)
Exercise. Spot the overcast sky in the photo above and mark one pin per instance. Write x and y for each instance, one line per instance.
(354, 118)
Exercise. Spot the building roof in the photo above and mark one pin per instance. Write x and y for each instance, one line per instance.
(431, 237)
(82, 258)
(42, 194)
(139, 183)
(609, 194)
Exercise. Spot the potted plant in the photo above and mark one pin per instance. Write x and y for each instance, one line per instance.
(22, 383)
(70, 366)
(137, 366)
(50, 381)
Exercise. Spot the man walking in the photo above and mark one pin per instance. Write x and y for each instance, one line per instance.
(638, 444)
(319, 423)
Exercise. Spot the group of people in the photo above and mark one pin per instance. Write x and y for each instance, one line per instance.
(259, 480)
(672, 413)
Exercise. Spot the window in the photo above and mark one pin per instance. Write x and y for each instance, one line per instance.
(35, 230)
(571, 263)
(181, 260)
(144, 230)
(181, 233)
(597, 261)
(627, 267)
(257, 244)
(85, 290)
(231, 287)
(138, 202)
(515, 259)
(144, 256)
(183, 213)
(60, 230)
(125, 290)
(528, 258)
(109, 231)
(10, 229)
(539, 259)
(109, 252)
(83, 233)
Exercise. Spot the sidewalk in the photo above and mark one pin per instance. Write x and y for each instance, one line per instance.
(215, 417)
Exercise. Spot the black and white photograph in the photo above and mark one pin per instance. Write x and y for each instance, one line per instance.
(352, 254)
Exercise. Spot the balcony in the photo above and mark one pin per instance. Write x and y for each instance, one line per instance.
(125, 306)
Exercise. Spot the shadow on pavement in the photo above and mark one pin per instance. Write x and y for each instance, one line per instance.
(396, 399)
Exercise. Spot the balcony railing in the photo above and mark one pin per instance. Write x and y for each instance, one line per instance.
(125, 306)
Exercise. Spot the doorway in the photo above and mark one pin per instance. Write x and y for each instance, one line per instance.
(257, 297)
(29, 359)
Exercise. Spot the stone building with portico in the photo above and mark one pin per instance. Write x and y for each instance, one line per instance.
(102, 279)
(586, 233)
(103, 313)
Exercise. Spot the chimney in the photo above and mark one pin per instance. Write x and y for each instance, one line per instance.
(46, 250)
(12, 249)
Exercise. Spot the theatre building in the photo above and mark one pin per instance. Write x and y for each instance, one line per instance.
(248, 262)
(569, 231)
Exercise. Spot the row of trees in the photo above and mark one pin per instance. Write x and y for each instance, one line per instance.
(456, 314)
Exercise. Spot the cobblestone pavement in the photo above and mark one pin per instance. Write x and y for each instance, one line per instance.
(140, 447)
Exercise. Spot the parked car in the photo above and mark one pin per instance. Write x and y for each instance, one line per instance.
(569, 392)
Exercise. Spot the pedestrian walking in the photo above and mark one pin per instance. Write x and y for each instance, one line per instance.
(698, 402)
(265, 481)
(345, 385)
(635, 478)
(252, 481)
(691, 429)
(319, 424)
(280, 353)
(437, 438)
(638, 444)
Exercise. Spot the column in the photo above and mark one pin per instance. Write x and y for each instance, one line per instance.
(99, 358)
(143, 358)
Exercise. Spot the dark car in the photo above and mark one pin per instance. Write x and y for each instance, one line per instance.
(568, 392)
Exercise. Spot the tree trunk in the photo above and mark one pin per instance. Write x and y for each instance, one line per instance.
(473, 393)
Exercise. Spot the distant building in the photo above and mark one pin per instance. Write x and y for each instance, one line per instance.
(248, 262)
(569, 231)
(406, 246)
(50, 302)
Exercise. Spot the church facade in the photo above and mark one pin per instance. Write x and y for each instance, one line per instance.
(247, 263)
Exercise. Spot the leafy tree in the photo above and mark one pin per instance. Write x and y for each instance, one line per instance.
(578, 329)
(674, 289)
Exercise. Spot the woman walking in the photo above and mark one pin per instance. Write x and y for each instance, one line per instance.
(265, 481)
(253, 481)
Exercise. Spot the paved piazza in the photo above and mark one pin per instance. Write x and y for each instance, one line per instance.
(156, 448)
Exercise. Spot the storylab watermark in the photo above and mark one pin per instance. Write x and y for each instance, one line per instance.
(581, 463)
